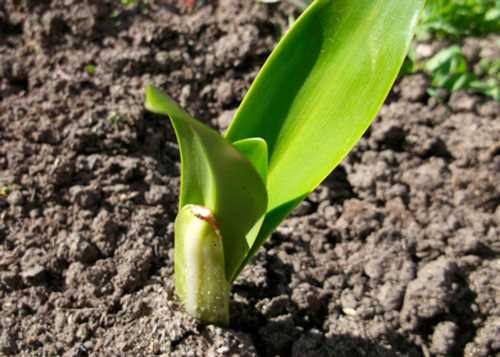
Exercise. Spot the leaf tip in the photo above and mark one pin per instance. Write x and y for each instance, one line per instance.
(151, 99)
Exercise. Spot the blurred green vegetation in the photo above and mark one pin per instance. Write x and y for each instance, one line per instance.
(90, 69)
(449, 70)
(458, 18)
(128, 2)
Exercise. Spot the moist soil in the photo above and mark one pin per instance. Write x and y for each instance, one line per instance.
(395, 254)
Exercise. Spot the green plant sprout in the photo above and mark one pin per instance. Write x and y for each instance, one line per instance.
(312, 101)
(90, 69)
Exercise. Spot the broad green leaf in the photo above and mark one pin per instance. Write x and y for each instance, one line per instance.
(319, 91)
(216, 176)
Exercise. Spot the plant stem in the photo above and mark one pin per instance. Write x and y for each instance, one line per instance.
(199, 265)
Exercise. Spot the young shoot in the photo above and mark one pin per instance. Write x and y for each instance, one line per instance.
(314, 98)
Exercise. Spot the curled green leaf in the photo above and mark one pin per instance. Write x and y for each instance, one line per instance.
(215, 175)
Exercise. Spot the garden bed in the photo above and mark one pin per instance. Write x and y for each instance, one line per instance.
(395, 254)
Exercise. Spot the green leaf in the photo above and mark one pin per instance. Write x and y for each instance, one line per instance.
(319, 91)
(490, 87)
(443, 59)
(493, 15)
(216, 176)
(255, 150)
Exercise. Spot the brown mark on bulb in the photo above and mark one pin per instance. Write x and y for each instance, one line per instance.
(206, 215)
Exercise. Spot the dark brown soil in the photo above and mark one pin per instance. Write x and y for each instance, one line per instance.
(396, 254)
